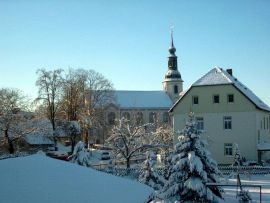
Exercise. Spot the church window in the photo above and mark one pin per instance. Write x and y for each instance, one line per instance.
(139, 118)
(111, 118)
(195, 100)
(152, 117)
(175, 89)
(126, 115)
(165, 117)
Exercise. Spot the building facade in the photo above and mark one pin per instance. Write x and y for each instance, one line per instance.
(146, 106)
(227, 112)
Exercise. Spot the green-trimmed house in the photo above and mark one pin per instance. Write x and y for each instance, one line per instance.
(227, 112)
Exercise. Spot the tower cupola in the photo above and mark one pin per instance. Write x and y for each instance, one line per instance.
(173, 83)
(172, 62)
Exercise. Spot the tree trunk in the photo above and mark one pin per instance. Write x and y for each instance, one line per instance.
(10, 147)
(128, 162)
(10, 143)
(55, 141)
(72, 139)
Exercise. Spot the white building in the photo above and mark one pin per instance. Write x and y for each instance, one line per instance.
(228, 112)
(147, 106)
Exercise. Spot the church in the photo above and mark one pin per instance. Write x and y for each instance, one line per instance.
(149, 106)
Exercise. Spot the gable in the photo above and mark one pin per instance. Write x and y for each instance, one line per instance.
(220, 77)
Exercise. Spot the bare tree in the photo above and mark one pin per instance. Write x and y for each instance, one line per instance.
(99, 94)
(127, 139)
(74, 85)
(85, 95)
(50, 89)
(15, 120)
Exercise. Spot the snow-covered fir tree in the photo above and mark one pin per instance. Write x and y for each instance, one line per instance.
(238, 160)
(80, 155)
(148, 174)
(192, 169)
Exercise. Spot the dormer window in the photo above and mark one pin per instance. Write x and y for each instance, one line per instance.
(230, 98)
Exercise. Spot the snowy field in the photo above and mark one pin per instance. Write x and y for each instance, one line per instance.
(37, 178)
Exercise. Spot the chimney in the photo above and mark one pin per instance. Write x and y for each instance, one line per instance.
(229, 71)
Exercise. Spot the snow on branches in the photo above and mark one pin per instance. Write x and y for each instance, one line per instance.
(127, 139)
(192, 169)
(148, 174)
(80, 155)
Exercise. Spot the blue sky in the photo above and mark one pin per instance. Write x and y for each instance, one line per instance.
(127, 41)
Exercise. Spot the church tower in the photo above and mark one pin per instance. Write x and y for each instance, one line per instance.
(173, 83)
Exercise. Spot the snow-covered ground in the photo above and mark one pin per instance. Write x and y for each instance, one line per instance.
(37, 178)
(263, 180)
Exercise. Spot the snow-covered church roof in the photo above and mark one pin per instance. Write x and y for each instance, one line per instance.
(143, 99)
(218, 76)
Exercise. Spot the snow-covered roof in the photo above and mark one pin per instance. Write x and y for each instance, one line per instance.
(218, 76)
(38, 140)
(142, 99)
(38, 178)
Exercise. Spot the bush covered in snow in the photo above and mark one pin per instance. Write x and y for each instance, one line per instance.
(80, 155)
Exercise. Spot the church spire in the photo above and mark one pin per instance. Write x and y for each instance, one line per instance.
(173, 83)
(172, 49)
(172, 62)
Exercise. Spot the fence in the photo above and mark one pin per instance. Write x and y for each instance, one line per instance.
(238, 187)
(254, 170)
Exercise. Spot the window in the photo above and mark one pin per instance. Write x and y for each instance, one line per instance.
(126, 115)
(139, 118)
(230, 98)
(175, 89)
(216, 99)
(195, 100)
(263, 122)
(111, 118)
(227, 121)
(228, 149)
(200, 125)
(152, 117)
(165, 117)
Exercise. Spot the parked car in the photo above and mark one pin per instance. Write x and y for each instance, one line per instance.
(105, 155)
(58, 155)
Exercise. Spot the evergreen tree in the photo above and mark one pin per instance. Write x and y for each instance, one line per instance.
(192, 168)
(238, 160)
(148, 174)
